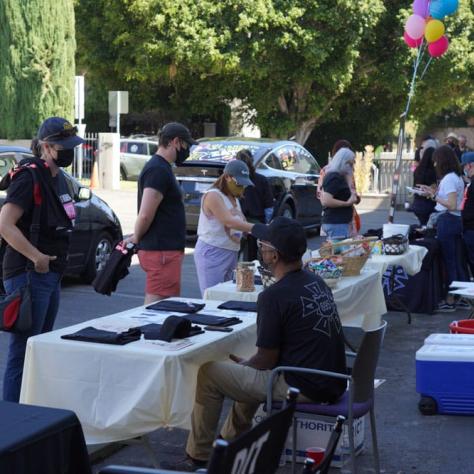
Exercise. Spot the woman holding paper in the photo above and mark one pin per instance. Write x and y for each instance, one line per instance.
(448, 198)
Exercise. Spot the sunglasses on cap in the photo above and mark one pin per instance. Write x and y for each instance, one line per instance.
(261, 244)
(66, 133)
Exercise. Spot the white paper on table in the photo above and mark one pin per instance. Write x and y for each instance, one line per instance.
(169, 346)
(114, 326)
(468, 292)
(462, 284)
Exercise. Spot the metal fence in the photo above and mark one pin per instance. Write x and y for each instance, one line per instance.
(85, 155)
(383, 171)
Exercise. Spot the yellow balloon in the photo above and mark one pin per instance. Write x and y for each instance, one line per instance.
(434, 30)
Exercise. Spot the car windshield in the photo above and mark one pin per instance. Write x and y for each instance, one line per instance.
(223, 152)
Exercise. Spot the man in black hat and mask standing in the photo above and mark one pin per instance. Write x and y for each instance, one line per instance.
(297, 325)
(160, 228)
(35, 222)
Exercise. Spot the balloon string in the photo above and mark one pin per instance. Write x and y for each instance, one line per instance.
(411, 92)
(426, 68)
(428, 4)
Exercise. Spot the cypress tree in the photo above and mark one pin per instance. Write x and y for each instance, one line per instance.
(37, 47)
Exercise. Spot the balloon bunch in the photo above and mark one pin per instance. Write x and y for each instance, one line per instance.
(425, 23)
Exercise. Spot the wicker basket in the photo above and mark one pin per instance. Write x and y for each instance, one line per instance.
(351, 265)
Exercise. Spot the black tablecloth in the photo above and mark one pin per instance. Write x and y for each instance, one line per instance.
(38, 440)
(419, 293)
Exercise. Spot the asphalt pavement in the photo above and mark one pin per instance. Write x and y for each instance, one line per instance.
(408, 441)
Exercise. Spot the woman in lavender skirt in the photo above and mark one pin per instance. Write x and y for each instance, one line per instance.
(220, 227)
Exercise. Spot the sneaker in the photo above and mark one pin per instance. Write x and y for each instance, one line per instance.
(444, 307)
(187, 464)
(463, 304)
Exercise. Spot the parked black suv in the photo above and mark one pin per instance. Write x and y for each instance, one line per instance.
(292, 171)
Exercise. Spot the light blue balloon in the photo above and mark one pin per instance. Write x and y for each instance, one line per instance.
(441, 8)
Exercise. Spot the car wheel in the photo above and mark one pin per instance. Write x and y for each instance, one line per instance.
(286, 211)
(123, 174)
(99, 254)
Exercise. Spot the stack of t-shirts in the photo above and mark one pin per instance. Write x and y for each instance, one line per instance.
(91, 334)
(176, 306)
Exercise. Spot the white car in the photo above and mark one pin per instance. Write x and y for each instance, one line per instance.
(134, 153)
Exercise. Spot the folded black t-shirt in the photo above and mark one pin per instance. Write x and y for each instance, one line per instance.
(154, 332)
(178, 306)
(91, 334)
(211, 320)
(239, 305)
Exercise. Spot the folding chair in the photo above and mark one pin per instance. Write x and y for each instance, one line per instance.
(257, 451)
(356, 402)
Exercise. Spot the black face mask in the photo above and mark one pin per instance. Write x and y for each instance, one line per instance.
(65, 158)
(264, 265)
(181, 156)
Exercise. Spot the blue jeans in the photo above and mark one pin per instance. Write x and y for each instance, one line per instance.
(337, 231)
(449, 233)
(45, 289)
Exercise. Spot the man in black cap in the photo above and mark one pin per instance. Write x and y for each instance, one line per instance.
(35, 222)
(297, 325)
(160, 228)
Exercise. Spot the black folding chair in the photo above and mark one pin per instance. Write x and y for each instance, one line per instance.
(258, 450)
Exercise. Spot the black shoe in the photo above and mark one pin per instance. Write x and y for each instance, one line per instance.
(187, 464)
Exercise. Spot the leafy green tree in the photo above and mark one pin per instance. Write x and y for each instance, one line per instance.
(37, 47)
(287, 59)
(338, 67)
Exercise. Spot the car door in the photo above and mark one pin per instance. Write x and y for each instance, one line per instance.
(7, 162)
(134, 156)
(303, 171)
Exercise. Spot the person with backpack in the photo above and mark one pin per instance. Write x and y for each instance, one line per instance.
(35, 223)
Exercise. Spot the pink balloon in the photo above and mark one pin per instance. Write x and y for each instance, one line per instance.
(412, 43)
(415, 26)
(421, 8)
(439, 47)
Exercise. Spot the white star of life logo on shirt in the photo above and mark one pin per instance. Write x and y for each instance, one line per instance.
(322, 304)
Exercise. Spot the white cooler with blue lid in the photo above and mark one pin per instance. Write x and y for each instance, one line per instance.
(445, 374)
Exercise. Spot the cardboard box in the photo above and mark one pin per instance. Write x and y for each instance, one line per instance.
(316, 432)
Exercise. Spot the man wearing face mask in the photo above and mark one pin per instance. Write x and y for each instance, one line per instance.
(40, 263)
(160, 228)
(297, 325)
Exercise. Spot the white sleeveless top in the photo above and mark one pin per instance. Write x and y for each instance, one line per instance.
(212, 231)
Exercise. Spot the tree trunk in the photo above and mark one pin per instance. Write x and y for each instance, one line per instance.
(304, 130)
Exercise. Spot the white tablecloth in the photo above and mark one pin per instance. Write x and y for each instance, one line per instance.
(411, 260)
(120, 392)
(360, 300)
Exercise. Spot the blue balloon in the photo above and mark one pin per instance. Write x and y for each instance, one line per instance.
(441, 8)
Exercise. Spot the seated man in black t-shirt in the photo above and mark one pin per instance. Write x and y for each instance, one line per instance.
(297, 325)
